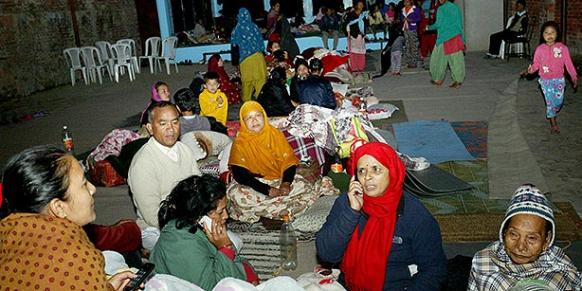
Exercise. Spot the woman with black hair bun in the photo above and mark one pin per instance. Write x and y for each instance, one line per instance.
(47, 200)
(194, 243)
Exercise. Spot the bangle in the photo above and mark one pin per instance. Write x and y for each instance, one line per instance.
(228, 245)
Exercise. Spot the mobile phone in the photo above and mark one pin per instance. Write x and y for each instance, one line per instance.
(142, 275)
(205, 221)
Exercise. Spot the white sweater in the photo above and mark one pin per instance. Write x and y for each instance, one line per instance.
(153, 175)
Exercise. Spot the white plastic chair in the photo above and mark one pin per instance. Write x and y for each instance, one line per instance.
(106, 53)
(73, 59)
(169, 52)
(93, 64)
(134, 61)
(152, 51)
(122, 52)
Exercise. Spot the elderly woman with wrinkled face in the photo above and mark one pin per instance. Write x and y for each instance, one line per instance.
(525, 252)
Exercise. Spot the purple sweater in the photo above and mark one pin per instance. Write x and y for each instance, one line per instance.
(413, 17)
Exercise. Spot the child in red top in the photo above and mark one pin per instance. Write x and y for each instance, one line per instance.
(549, 59)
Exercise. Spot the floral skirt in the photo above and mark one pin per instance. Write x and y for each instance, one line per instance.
(553, 94)
(248, 205)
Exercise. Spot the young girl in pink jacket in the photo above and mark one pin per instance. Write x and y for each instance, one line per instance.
(549, 59)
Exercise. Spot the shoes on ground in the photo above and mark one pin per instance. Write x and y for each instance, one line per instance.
(456, 85)
(489, 56)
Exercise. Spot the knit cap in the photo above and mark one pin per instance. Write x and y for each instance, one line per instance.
(528, 199)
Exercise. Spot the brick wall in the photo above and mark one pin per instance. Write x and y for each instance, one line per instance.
(546, 10)
(33, 34)
(574, 32)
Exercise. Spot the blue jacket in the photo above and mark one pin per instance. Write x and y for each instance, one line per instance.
(417, 240)
(315, 90)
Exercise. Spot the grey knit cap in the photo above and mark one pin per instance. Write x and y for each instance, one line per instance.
(528, 199)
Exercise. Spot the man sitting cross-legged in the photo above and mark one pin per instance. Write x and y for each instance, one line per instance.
(157, 167)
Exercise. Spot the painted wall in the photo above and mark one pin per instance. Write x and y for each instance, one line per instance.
(482, 18)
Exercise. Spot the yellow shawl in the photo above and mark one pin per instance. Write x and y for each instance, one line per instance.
(266, 153)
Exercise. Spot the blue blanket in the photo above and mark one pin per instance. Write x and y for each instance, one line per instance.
(434, 140)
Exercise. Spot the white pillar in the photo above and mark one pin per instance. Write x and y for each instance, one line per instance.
(215, 8)
(308, 11)
(165, 18)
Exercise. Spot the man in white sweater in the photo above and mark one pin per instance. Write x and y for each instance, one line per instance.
(157, 167)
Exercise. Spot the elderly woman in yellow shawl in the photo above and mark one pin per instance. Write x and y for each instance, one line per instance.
(264, 166)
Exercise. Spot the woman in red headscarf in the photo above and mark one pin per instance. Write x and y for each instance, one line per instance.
(384, 238)
(216, 64)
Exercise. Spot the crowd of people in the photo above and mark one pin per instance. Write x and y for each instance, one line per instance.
(378, 235)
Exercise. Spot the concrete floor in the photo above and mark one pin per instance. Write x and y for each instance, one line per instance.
(93, 111)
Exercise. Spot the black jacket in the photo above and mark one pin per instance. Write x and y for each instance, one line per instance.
(275, 99)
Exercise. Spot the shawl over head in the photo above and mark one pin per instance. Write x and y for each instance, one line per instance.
(214, 67)
(155, 98)
(246, 35)
(370, 249)
(266, 153)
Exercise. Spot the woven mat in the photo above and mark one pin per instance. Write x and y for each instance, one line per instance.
(485, 226)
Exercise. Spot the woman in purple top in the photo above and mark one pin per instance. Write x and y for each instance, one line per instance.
(410, 16)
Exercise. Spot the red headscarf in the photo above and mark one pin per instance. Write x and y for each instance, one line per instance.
(365, 258)
(214, 67)
(230, 89)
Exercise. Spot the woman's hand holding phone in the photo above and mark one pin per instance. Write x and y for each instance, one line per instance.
(356, 194)
(120, 280)
(216, 234)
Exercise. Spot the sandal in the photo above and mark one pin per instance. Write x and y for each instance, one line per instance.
(555, 129)
(455, 85)
(436, 83)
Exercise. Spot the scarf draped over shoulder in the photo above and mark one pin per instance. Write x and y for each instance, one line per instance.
(370, 249)
(246, 35)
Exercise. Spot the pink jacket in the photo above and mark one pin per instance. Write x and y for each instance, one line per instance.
(550, 61)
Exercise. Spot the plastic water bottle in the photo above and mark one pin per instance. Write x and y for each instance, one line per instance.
(288, 243)
(68, 141)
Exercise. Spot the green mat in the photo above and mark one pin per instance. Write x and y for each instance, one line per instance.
(468, 202)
